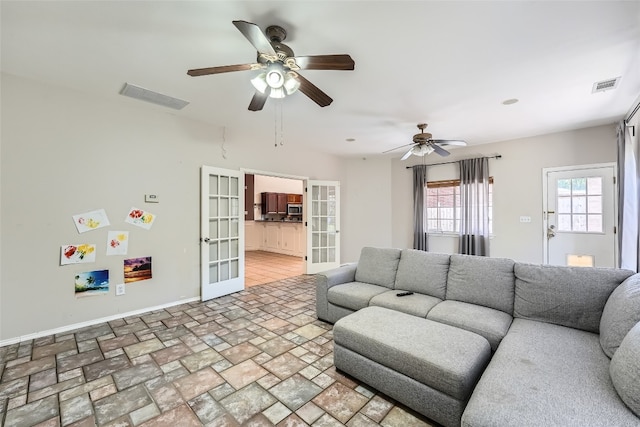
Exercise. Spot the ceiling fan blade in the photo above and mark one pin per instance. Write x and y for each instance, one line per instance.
(440, 150)
(407, 154)
(256, 37)
(312, 91)
(223, 69)
(446, 142)
(325, 62)
(402, 146)
(258, 100)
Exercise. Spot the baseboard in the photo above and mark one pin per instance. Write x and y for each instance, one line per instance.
(75, 326)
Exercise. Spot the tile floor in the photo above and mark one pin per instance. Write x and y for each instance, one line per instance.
(264, 267)
(254, 358)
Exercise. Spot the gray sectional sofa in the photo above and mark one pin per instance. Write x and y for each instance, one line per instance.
(488, 341)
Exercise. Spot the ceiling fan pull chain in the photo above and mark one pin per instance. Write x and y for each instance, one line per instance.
(281, 123)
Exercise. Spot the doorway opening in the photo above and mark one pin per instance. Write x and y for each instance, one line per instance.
(275, 235)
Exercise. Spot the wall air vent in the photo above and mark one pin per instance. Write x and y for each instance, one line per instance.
(143, 94)
(605, 85)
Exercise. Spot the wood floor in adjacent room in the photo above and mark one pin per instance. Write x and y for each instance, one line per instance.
(266, 267)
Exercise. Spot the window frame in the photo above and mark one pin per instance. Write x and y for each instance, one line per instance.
(455, 184)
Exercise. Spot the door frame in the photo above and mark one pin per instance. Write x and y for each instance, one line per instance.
(546, 171)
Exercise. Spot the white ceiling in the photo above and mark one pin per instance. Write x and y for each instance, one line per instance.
(450, 64)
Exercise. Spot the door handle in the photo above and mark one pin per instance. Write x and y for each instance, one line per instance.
(551, 231)
(205, 240)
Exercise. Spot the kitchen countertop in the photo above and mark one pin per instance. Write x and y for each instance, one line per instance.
(287, 221)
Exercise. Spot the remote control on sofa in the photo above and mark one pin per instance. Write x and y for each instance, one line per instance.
(404, 294)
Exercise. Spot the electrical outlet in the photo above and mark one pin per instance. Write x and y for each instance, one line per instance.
(525, 219)
(120, 289)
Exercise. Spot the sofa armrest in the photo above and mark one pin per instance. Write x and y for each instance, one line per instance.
(344, 274)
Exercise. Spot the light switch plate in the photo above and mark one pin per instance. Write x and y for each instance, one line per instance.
(120, 290)
(151, 198)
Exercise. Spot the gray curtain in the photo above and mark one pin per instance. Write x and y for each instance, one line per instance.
(474, 207)
(420, 237)
(628, 198)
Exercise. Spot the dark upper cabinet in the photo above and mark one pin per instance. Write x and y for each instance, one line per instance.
(249, 191)
(269, 203)
(282, 203)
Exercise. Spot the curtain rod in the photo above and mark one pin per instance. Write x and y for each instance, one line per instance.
(497, 156)
(635, 110)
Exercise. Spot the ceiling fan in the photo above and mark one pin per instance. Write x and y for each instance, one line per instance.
(279, 67)
(423, 144)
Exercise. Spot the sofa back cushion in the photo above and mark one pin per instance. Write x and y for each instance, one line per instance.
(481, 280)
(625, 370)
(567, 296)
(423, 272)
(620, 313)
(378, 266)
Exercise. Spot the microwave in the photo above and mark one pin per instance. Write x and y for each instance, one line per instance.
(294, 209)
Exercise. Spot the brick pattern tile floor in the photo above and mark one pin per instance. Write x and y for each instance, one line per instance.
(254, 358)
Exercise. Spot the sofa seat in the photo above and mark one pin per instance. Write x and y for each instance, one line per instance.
(547, 375)
(354, 295)
(422, 359)
(488, 322)
(415, 304)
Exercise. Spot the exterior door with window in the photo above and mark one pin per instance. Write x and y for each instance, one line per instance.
(322, 212)
(222, 232)
(580, 216)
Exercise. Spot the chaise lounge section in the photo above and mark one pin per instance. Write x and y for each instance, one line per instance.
(488, 341)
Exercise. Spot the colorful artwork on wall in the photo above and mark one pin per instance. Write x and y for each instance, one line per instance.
(136, 269)
(75, 254)
(92, 283)
(140, 218)
(91, 220)
(117, 242)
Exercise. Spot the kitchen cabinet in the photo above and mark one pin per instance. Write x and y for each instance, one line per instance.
(294, 198)
(269, 203)
(282, 203)
(276, 203)
(281, 237)
(253, 235)
(249, 186)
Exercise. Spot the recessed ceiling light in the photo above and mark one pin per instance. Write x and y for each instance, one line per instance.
(510, 101)
(350, 139)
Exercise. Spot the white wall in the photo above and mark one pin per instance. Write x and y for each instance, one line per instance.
(65, 153)
(366, 208)
(517, 188)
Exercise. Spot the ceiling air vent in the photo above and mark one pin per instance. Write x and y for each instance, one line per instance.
(605, 85)
(138, 92)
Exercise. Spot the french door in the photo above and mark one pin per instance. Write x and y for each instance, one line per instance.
(580, 215)
(322, 216)
(221, 232)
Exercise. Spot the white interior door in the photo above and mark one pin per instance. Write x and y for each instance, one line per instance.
(222, 232)
(580, 216)
(322, 216)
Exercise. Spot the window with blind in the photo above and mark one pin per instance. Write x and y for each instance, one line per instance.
(442, 206)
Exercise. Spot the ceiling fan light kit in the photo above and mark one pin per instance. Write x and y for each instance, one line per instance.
(279, 76)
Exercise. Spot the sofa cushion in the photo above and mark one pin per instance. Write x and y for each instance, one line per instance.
(547, 375)
(568, 296)
(423, 272)
(481, 280)
(416, 304)
(442, 357)
(378, 266)
(625, 370)
(490, 323)
(354, 295)
(620, 313)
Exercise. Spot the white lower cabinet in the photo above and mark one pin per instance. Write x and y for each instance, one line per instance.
(280, 237)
